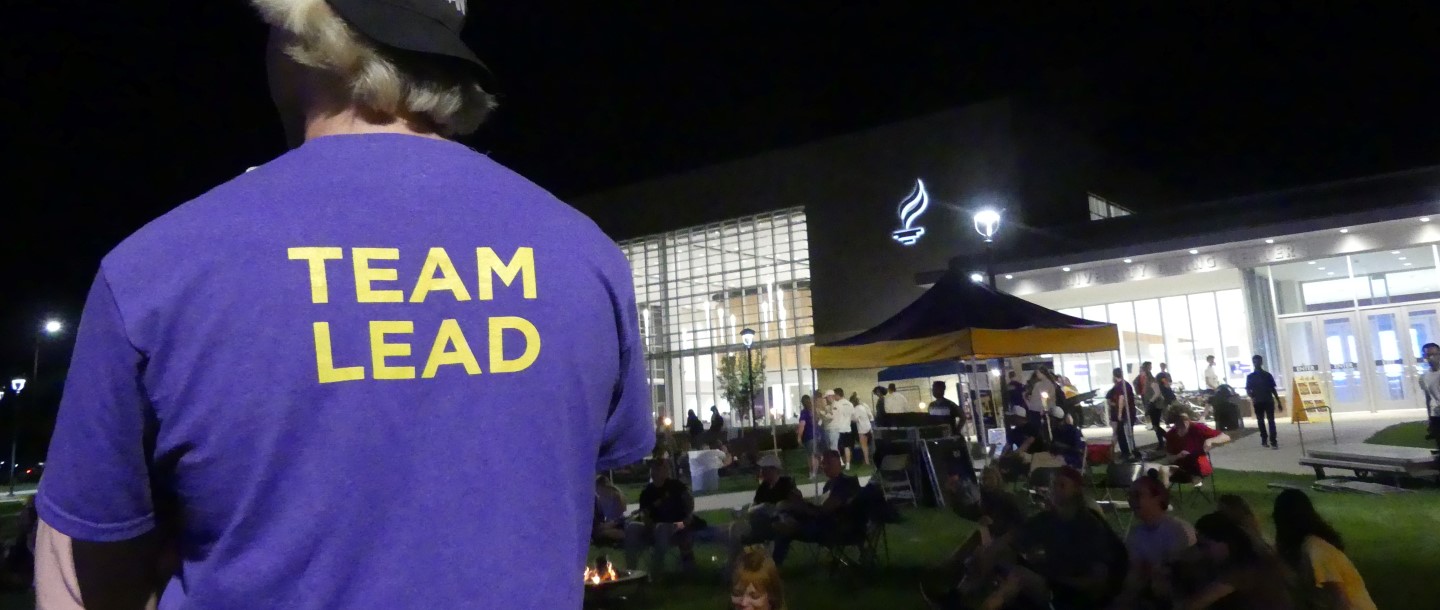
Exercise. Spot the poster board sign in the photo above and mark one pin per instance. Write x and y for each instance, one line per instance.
(1309, 398)
(995, 436)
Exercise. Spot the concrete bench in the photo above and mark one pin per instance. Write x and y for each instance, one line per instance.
(1361, 468)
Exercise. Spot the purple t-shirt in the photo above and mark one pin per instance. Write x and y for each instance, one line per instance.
(380, 371)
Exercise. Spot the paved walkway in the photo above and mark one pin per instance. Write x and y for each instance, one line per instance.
(1244, 453)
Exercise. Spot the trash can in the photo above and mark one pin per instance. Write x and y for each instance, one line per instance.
(704, 471)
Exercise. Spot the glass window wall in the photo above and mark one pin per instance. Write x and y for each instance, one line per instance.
(698, 288)
(1179, 331)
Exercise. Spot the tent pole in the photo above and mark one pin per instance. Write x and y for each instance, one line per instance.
(976, 416)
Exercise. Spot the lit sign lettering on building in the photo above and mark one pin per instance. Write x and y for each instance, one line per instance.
(910, 210)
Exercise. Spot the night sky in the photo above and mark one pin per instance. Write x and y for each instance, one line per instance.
(113, 116)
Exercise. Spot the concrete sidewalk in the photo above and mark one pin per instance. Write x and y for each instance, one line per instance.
(1245, 453)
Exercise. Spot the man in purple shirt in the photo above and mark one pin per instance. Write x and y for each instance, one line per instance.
(379, 371)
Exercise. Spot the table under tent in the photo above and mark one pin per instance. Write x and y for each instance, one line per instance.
(955, 326)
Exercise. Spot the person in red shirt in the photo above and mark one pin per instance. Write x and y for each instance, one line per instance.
(1188, 443)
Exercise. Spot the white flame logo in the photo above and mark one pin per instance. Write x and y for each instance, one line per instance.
(910, 211)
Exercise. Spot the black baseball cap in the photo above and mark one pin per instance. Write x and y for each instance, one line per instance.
(419, 26)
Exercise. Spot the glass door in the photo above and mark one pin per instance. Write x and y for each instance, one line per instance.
(1390, 359)
(1342, 358)
(1424, 323)
(1302, 350)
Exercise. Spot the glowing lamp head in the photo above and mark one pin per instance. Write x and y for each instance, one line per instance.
(747, 337)
(977, 277)
(987, 222)
(17, 385)
(53, 326)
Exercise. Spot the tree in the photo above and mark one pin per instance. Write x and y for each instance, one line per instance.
(735, 384)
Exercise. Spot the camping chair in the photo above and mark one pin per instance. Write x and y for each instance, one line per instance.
(861, 533)
(894, 476)
(1207, 489)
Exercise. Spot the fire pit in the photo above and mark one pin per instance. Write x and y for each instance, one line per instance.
(606, 587)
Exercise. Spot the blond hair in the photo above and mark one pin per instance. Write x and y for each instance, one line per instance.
(449, 96)
(757, 569)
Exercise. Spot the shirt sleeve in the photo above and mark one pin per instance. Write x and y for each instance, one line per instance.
(1206, 431)
(630, 429)
(97, 481)
(1325, 561)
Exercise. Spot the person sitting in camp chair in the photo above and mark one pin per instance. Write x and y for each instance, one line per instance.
(807, 522)
(1188, 445)
(756, 522)
(1024, 439)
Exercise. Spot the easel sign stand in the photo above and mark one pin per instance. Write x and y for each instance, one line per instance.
(1309, 403)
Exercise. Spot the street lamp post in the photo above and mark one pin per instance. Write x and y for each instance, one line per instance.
(49, 328)
(747, 337)
(987, 223)
(17, 385)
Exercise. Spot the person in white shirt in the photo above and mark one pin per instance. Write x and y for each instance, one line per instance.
(863, 417)
(895, 402)
(1430, 385)
(1040, 396)
(842, 413)
(1212, 376)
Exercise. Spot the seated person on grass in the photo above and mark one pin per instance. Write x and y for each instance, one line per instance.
(1067, 442)
(1066, 557)
(756, 524)
(969, 569)
(807, 522)
(609, 527)
(667, 517)
(1023, 440)
(1154, 543)
(1188, 444)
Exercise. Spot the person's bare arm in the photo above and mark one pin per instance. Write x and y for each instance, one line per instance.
(1218, 439)
(75, 574)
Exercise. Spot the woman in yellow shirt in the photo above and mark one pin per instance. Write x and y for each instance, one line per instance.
(1314, 549)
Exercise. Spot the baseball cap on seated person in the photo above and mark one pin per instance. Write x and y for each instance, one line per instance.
(769, 460)
(418, 26)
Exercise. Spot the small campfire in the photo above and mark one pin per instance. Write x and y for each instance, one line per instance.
(594, 576)
(604, 585)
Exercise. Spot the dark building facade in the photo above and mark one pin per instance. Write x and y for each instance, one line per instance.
(815, 235)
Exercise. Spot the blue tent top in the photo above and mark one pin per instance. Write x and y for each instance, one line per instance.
(959, 318)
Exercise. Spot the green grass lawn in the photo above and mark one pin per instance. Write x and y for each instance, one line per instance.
(1408, 434)
(1394, 541)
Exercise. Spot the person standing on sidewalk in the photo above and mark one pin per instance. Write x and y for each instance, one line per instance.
(1430, 384)
(1260, 385)
(1212, 376)
(1148, 389)
(1121, 398)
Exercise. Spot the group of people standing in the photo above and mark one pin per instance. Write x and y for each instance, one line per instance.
(831, 422)
(1154, 394)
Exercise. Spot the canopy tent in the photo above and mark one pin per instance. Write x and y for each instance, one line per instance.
(962, 319)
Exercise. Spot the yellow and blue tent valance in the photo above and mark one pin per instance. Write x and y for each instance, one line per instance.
(958, 318)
